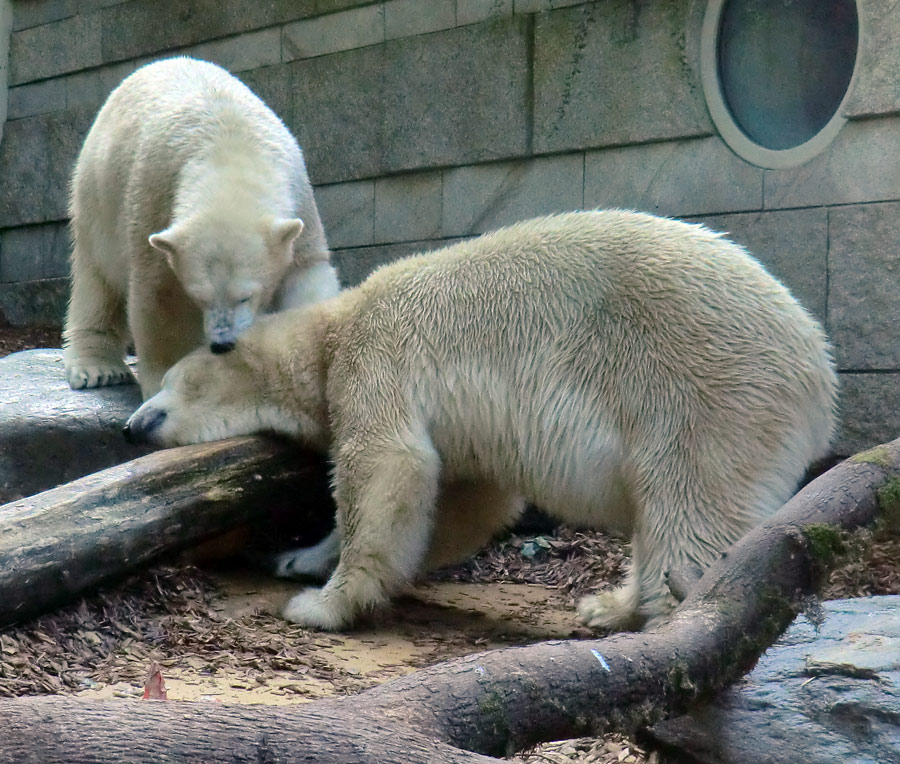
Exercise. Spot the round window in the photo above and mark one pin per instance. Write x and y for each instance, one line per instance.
(775, 73)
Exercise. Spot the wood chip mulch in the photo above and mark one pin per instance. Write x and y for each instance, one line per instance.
(166, 615)
(575, 562)
(15, 338)
(612, 749)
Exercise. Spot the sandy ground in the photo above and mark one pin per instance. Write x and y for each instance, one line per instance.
(439, 620)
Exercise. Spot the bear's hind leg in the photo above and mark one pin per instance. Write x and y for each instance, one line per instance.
(613, 610)
(386, 508)
(94, 332)
(469, 514)
(683, 515)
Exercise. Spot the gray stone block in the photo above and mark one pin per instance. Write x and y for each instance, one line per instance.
(863, 298)
(52, 434)
(56, 48)
(140, 28)
(539, 6)
(25, 168)
(870, 411)
(330, 6)
(447, 98)
(90, 89)
(484, 197)
(42, 302)
(459, 96)
(874, 90)
(473, 11)
(820, 695)
(343, 137)
(676, 178)
(89, 6)
(37, 12)
(250, 50)
(405, 18)
(355, 265)
(607, 74)
(348, 213)
(34, 252)
(36, 159)
(348, 30)
(273, 85)
(792, 244)
(408, 207)
(862, 164)
(37, 98)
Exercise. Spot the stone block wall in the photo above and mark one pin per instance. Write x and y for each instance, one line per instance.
(424, 121)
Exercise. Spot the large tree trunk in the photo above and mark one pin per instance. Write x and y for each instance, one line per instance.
(500, 701)
(59, 544)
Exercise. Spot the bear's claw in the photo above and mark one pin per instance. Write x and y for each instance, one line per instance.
(82, 377)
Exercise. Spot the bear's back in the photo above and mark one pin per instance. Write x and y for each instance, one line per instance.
(649, 323)
(180, 104)
(678, 281)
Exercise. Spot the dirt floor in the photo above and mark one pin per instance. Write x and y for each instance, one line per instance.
(214, 634)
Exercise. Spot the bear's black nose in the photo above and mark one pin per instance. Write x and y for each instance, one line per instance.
(221, 347)
(137, 430)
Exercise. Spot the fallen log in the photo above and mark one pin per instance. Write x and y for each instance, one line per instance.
(492, 703)
(59, 544)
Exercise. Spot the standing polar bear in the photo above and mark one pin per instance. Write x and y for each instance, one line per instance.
(619, 370)
(191, 212)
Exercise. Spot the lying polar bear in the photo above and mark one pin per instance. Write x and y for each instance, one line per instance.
(619, 370)
(191, 212)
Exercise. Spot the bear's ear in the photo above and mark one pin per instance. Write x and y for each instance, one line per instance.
(164, 241)
(284, 231)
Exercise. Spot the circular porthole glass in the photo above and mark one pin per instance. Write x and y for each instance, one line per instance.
(776, 72)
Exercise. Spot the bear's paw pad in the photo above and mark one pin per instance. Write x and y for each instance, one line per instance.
(86, 375)
(312, 608)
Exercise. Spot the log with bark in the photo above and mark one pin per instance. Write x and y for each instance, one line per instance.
(493, 703)
(59, 544)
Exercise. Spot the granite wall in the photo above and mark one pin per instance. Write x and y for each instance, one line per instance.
(428, 120)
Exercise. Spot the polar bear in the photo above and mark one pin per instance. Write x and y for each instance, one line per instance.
(191, 212)
(622, 371)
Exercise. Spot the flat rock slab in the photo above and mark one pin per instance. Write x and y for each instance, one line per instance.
(816, 697)
(50, 434)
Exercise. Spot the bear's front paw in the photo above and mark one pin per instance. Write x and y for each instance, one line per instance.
(82, 375)
(611, 611)
(315, 609)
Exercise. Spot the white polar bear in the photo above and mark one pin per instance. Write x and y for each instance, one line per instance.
(619, 370)
(191, 211)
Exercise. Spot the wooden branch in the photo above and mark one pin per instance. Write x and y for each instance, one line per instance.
(501, 701)
(58, 544)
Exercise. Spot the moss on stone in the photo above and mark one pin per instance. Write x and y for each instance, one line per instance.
(879, 456)
(493, 709)
(826, 544)
(888, 497)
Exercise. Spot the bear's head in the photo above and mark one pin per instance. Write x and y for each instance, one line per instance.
(263, 385)
(229, 268)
